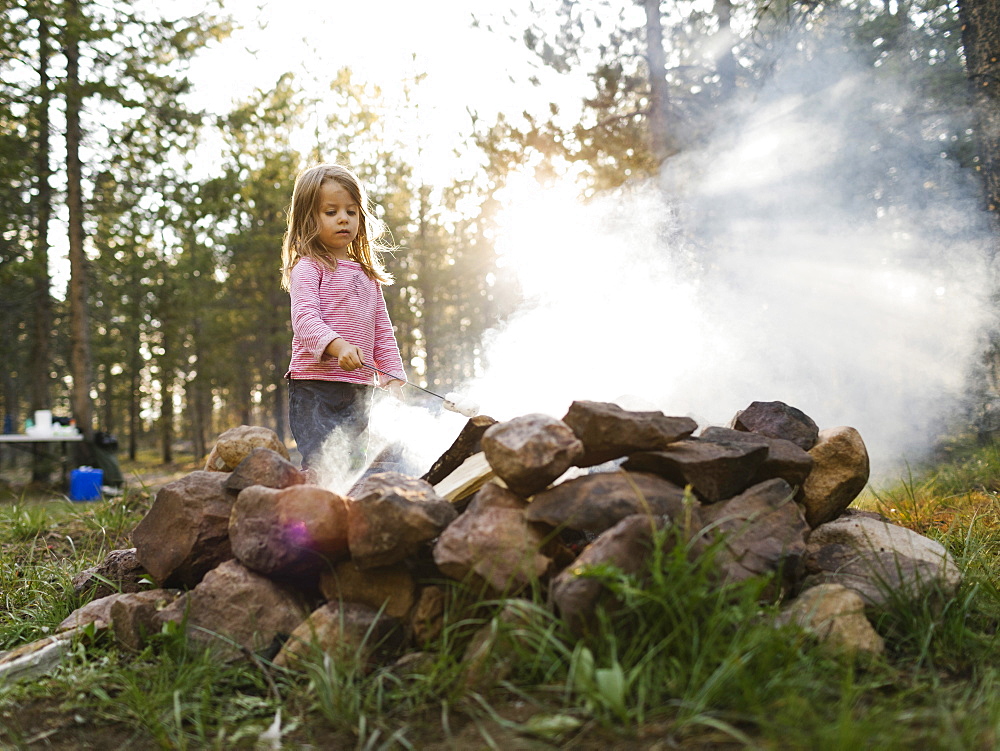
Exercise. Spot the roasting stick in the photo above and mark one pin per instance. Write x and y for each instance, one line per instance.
(467, 409)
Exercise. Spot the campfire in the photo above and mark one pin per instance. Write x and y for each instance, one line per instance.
(253, 560)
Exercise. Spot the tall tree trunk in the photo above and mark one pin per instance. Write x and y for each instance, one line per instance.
(79, 319)
(40, 357)
(167, 415)
(726, 65)
(981, 38)
(661, 143)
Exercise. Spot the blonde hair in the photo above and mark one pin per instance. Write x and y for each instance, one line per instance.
(302, 236)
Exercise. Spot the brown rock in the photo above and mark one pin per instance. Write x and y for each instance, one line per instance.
(347, 632)
(593, 503)
(493, 542)
(531, 451)
(263, 466)
(234, 445)
(714, 470)
(836, 616)
(427, 617)
(290, 532)
(609, 432)
(778, 420)
(234, 609)
(784, 459)
(840, 472)
(186, 531)
(626, 546)
(392, 516)
(120, 571)
(390, 589)
(765, 532)
(133, 617)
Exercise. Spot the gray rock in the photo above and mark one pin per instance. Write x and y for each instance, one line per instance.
(765, 533)
(626, 546)
(234, 609)
(784, 459)
(531, 451)
(596, 502)
(492, 543)
(609, 432)
(133, 617)
(264, 466)
(879, 560)
(186, 531)
(778, 420)
(294, 531)
(392, 516)
(714, 470)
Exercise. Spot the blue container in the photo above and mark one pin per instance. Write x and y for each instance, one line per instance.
(85, 484)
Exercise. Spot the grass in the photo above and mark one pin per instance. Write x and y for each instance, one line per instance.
(684, 663)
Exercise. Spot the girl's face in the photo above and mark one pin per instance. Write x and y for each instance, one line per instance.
(339, 218)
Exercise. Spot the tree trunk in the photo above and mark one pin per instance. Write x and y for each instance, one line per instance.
(726, 66)
(40, 357)
(79, 320)
(661, 143)
(981, 38)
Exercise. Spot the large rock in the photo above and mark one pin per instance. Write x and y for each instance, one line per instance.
(493, 543)
(392, 516)
(784, 459)
(714, 470)
(835, 615)
(264, 466)
(290, 532)
(596, 502)
(778, 420)
(840, 472)
(609, 432)
(120, 571)
(391, 589)
(234, 609)
(626, 546)
(186, 531)
(879, 560)
(346, 631)
(765, 533)
(235, 444)
(531, 451)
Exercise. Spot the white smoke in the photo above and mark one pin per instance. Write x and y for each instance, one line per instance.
(822, 252)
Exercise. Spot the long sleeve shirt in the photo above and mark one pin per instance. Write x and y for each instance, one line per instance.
(342, 303)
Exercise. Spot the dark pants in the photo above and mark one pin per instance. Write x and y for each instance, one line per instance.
(318, 409)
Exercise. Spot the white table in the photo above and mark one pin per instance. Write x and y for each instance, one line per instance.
(30, 442)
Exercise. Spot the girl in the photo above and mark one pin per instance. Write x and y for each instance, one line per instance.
(332, 269)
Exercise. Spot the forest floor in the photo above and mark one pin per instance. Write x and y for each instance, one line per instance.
(937, 687)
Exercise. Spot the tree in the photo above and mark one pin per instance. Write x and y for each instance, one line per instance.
(981, 38)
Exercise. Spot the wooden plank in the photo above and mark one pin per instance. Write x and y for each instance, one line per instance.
(466, 444)
(471, 475)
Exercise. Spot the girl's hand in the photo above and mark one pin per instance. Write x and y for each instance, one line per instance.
(395, 388)
(349, 357)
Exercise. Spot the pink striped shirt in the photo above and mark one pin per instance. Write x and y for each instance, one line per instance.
(343, 303)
